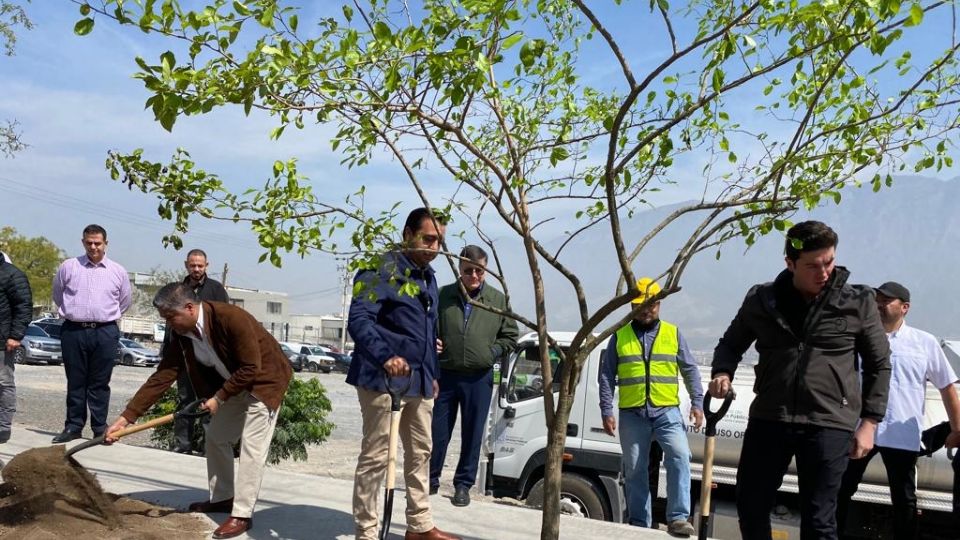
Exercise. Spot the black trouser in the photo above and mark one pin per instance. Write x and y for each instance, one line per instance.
(183, 425)
(88, 357)
(768, 447)
(901, 477)
(956, 489)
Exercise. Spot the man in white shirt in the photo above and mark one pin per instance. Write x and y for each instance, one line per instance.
(916, 357)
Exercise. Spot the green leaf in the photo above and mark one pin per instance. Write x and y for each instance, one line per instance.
(511, 40)
(83, 27)
(916, 15)
(381, 31)
(558, 154)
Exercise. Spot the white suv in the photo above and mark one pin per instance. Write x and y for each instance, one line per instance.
(315, 357)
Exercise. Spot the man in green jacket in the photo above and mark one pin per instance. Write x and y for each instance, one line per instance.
(473, 338)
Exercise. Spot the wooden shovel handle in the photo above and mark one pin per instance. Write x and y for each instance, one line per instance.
(136, 428)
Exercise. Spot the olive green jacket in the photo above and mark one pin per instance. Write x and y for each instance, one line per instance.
(486, 336)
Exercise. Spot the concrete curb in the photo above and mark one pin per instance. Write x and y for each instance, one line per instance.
(300, 506)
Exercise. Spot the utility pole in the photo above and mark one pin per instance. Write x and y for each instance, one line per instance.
(345, 277)
(223, 277)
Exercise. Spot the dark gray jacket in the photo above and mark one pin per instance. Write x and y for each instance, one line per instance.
(814, 379)
(16, 303)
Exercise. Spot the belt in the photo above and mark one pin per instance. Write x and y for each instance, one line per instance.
(91, 324)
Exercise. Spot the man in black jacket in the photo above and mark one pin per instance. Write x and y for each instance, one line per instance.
(16, 307)
(205, 289)
(810, 327)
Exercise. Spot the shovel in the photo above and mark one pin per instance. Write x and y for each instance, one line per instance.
(706, 480)
(189, 411)
(396, 395)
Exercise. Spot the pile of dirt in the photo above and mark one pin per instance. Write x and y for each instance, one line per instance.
(45, 495)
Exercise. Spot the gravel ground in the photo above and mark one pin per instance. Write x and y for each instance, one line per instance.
(40, 405)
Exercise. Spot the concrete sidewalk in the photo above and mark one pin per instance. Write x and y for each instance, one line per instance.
(299, 506)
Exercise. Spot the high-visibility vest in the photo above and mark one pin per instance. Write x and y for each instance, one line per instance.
(652, 376)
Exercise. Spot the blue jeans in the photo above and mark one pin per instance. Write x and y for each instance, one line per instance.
(636, 433)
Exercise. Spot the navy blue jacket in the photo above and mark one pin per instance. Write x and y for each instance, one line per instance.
(385, 322)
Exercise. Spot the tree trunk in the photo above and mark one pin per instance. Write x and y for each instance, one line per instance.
(556, 438)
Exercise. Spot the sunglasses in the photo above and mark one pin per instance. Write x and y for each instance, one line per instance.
(473, 272)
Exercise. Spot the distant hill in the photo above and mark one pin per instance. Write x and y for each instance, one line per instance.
(908, 233)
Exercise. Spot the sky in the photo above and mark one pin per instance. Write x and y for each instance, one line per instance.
(76, 99)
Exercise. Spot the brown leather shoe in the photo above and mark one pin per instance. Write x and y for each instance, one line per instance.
(225, 506)
(233, 526)
(432, 534)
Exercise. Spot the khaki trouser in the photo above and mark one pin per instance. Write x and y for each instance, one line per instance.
(241, 415)
(416, 419)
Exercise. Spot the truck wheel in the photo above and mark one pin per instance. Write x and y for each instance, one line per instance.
(578, 497)
(313, 367)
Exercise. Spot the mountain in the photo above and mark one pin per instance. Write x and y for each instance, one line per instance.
(908, 233)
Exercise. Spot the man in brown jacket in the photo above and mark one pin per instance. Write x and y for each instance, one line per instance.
(240, 370)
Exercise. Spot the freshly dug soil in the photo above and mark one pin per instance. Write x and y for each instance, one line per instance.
(45, 495)
(138, 521)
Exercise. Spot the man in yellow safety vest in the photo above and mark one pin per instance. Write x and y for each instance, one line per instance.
(646, 359)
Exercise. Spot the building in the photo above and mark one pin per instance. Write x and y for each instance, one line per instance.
(327, 330)
(268, 307)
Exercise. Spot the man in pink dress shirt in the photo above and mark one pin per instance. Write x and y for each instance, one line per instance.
(92, 292)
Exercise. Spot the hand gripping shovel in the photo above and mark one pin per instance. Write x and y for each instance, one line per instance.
(189, 411)
(396, 395)
(706, 480)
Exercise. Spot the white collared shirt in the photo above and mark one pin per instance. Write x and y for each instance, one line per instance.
(202, 349)
(915, 358)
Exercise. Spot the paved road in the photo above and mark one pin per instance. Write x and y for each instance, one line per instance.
(40, 404)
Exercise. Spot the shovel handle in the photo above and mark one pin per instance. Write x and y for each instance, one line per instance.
(136, 428)
(190, 410)
(712, 417)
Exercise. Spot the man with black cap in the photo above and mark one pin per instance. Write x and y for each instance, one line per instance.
(915, 358)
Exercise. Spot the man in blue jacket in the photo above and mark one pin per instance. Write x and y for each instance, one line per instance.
(393, 320)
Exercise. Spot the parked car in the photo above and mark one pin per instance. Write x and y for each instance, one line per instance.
(132, 353)
(296, 359)
(314, 357)
(341, 362)
(50, 326)
(38, 347)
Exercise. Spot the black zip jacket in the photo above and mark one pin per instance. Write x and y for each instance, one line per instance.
(813, 377)
(16, 303)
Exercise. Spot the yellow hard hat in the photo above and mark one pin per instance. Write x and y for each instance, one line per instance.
(648, 287)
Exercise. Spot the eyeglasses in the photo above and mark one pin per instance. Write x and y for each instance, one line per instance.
(476, 271)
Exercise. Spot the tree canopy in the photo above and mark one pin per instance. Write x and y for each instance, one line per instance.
(12, 16)
(544, 109)
(37, 257)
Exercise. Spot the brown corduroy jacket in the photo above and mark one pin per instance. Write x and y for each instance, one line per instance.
(251, 355)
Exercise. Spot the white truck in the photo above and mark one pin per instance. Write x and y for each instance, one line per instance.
(591, 482)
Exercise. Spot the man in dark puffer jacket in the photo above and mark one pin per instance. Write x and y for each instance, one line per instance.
(812, 402)
(16, 307)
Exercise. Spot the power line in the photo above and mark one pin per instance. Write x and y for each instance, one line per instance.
(60, 200)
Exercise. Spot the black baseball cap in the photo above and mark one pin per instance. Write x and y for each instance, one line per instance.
(892, 289)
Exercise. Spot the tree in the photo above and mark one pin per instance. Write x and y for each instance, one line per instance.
(37, 257)
(784, 104)
(12, 15)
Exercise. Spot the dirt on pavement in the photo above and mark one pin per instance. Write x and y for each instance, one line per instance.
(45, 495)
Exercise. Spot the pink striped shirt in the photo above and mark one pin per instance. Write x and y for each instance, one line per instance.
(88, 292)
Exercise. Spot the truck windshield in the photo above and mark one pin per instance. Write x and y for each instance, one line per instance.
(526, 377)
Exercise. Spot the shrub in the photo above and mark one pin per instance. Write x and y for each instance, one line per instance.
(302, 421)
